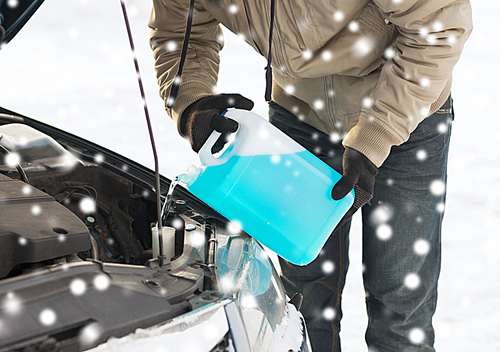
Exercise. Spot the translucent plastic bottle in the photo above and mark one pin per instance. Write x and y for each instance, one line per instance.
(278, 192)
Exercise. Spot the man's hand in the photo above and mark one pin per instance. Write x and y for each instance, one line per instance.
(203, 116)
(358, 170)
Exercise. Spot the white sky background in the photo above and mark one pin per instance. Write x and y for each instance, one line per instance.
(71, 67)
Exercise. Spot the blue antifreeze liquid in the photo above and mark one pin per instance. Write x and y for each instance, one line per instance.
(283, 200)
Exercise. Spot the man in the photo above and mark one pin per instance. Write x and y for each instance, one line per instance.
(365, 84)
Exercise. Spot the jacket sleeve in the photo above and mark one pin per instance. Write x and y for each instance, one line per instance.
(199, 77)
(431, 38)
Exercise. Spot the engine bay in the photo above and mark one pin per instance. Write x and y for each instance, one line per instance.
(73, 219)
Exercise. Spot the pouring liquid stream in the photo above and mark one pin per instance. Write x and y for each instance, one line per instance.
(168, 200)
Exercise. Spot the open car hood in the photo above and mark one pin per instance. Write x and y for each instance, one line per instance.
(13, 16)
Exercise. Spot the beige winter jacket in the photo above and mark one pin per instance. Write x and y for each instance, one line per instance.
(368, 71)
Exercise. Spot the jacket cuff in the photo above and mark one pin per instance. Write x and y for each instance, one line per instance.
(189, 92)
(372, 138)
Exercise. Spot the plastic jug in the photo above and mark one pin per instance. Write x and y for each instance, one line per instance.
(278, 192)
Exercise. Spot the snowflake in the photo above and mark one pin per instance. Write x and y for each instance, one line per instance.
(315, 136)
(412, 281)
(12, 3)
(22, 241)
(171, 45)
(12, 159)
(47, 317)
(326, 55)
(61, 238)
(248, 301)
(335, 137)
(78, 287)
(363, 46)
(329, 313)
(437, 187)
(296, 173)
(87, 205)
(290, 89)
(12, 304)
(382, 214)
(36, 209)
(416, 336)
(226, 283)
(177, 223)
(431, 39)
(425, 82)
(389, 53)
(390, 182)
(331, 93)
(328, 267)
(307, 54)
(384, 232)
(423, 32)
(220, 39)
(233, 8)
(367, 102)
(421, 155)
(440, 207)
(437, 26)
(452, 40)
(421, 247)
(89, 334)
(319, 104)
(442, 127)
(338, 16)
(275, 159)
(234, 227)
(101, 282)
(353, 26)
(295, 109)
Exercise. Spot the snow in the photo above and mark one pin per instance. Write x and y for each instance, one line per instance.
(71, 66)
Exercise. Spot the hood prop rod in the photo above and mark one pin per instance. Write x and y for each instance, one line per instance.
(161, 257)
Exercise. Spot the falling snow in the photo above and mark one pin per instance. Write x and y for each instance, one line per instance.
(437, 187)
(353, 26)
(36, 209)
(171, 45)
(416, 336)
(233, 9)
(234, 227)
(12, 304)
(328, 267)
(329, 313)
(12, 159)
(363, 46)
(87, 205)
(101, 282)
(421, 247)
(78, 287)
(47, 317)
(90, 334)
(307, 54)
(412, 281)
(326, 55)
(338, 16)
(384, 232)
(421, 155)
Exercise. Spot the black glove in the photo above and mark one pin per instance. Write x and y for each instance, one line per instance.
(359, 173)
(203, 116)
(358, 170)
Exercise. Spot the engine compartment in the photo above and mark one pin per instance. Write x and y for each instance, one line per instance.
(50, 239)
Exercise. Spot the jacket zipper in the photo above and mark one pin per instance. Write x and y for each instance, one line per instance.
(279, 57)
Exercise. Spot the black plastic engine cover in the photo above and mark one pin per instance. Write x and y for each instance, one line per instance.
(34, 227)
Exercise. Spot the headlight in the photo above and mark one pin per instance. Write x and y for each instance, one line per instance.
(245, 272)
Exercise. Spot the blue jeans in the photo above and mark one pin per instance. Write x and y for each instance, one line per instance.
(401, 241)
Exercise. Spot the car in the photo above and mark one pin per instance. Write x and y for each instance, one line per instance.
(77, 265)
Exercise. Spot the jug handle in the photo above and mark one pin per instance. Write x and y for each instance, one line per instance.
(205, 152)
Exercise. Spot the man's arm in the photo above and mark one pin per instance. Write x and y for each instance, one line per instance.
(168, 22)
(431, 37)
